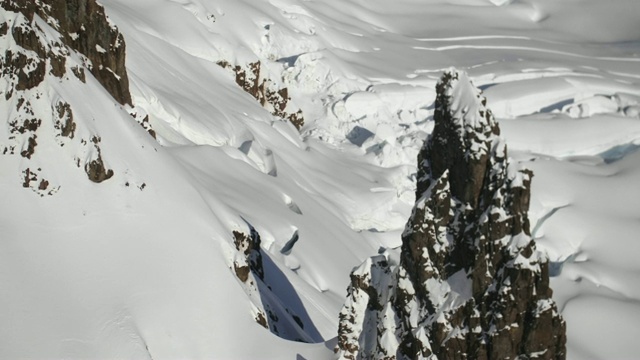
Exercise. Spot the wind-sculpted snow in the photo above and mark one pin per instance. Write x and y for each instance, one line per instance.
(470, 282)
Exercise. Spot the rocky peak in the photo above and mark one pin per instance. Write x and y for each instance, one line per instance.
(468, 281)
(464, 136)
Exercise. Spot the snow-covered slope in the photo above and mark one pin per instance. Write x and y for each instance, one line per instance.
(141, 264)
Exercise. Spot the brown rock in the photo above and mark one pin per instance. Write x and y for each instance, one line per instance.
(470, 220)
(251, 80)
(84, 28)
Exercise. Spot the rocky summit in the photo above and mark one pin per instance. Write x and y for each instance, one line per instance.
(468, 281)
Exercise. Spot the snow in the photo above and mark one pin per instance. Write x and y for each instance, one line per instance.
(113, 271)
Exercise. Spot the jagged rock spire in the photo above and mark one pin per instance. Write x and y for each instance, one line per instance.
(463, 140)
(469, 282)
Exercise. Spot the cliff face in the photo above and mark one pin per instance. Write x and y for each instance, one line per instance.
(468, 281)
(82, 26)
(53, 47)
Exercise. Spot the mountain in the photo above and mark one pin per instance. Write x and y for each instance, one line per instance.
(470, 282)
(117, 246)
(51, 41)
(197, 179)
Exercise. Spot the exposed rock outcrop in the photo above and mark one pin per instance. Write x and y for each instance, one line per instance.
(83, 27)
(271, 97)
(468, 282)
(250, 260)
(57, 40)
(95, 168)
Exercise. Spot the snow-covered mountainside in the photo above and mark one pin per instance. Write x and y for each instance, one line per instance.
(197, 178)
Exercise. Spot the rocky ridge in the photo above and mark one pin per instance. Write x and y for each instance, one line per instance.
(468, 281)
(52, 45)
(83, 27)
(272, 97)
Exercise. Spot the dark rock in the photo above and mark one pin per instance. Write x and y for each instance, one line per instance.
(470, 283)
(143, 120)
(252, 81)
(19, 63)
(260, 319)
(85, 28)
(28, 178)
(98, 40)
(242, 272)
(79, 73)
(249, 246)
(76, 25)
(64, 122)
(296, 118)
(96, 169)
(28, 125)
(31, 147)
(44, 184)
